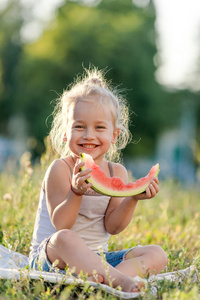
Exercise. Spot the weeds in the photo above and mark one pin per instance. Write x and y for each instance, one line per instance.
(171, 220)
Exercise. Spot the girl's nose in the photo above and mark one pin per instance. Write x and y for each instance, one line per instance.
(88, 134)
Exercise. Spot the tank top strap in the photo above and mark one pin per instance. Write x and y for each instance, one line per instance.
(68, 166)
(110, 169)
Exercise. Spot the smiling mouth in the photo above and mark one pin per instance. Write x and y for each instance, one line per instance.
(88, 146)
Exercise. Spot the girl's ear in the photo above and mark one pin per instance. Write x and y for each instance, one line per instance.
(64, 137)
(115, 135)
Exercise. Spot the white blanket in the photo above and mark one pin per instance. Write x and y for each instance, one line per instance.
(13, 266)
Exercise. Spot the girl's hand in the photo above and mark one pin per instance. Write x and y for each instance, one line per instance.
(79, 186)
(150, 192)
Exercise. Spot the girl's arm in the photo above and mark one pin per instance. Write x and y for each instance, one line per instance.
(62, 203)
(120, 210)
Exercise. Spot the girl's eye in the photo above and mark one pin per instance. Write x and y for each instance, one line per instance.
(100, 127)
(78, 126)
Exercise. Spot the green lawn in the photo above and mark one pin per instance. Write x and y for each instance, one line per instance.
(171, 220)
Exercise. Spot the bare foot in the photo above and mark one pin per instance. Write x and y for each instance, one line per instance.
(131, 285)
(127, 285)
(138, 286)
(97, 278)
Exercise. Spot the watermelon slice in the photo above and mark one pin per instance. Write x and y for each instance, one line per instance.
(113, 186)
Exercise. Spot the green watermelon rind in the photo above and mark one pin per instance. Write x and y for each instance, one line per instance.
(97, 186)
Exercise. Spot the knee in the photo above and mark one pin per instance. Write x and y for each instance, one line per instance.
(160, 256)
(63, 237)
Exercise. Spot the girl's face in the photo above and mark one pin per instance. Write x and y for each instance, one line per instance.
(91, 130)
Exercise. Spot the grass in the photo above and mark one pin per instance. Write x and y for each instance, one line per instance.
(171, 220)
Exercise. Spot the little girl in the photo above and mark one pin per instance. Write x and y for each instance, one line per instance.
(73, 223)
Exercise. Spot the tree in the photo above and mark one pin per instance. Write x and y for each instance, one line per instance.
(114, 35)
(10, 53)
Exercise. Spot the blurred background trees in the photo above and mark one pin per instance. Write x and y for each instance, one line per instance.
(10, 58)
(114, 35)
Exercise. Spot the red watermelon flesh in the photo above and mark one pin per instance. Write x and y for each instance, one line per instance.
(113, 186)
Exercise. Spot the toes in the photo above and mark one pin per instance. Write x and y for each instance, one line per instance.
(100, 279)
(96, 278)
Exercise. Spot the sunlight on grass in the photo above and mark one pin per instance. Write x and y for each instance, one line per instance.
(171, 220)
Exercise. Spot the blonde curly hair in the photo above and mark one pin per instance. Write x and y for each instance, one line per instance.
(92, 83)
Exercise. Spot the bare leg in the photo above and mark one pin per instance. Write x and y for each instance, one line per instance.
(69, 249)
(143, 261)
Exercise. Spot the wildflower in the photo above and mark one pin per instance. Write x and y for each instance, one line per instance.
(25, 163)
(7, 197)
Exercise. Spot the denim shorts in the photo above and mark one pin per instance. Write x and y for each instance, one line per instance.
(115, 257)
(40, 260)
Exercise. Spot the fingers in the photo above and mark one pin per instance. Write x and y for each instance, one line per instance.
(78, 166)
(153, 188)
(79, 179)
(79, 186)
(77, 169)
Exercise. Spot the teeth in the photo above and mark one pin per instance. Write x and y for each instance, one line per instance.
(89, 146)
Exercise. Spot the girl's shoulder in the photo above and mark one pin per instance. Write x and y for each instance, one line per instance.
(59, 167)
(54, 165)
(61, 163)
